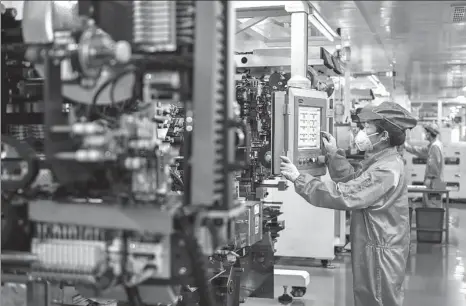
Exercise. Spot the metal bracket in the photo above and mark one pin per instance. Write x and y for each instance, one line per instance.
(250, 23)
(281, 185)
(254, 34)
(297, 7)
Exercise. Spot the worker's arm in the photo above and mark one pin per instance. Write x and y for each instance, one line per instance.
(420, 151)
(434, 163)
(339, 167)
(361, 192)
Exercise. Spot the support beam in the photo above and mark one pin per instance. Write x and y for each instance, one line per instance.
(270, 11)
(278, 23)
(313, 52)
(248, 24)
(252, 60)
(312, 42)
(254, 34)
(277, 26)
(299, 41)
(439, 113)
(347, 102)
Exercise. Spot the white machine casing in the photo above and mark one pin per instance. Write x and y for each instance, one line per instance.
(310, 232)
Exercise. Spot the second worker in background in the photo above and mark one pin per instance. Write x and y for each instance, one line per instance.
(433, 153)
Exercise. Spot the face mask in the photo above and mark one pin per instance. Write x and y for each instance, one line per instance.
(363, 141)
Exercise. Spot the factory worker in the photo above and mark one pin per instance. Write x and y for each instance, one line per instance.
(376, 195)
(433, 152)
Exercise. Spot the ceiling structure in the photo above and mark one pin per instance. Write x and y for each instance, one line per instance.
(423, 41)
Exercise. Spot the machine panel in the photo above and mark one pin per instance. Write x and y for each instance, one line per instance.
(310, 121)
(299, 117)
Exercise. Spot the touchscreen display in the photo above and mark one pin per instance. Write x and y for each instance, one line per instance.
(309, 127)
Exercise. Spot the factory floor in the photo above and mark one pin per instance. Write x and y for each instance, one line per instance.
(435, 276)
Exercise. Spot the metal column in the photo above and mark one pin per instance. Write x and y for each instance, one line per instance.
(439, 113)
(347, 94)
(299, 43)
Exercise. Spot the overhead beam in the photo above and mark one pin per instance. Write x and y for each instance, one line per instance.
(252, 33)
(278, 23)
(312, 42)
(279, 26)
(249, 23)
(269, 11)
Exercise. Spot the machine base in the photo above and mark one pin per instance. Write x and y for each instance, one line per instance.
(291, 278)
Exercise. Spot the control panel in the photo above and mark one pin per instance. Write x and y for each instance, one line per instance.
(310, 120)
(299, 117)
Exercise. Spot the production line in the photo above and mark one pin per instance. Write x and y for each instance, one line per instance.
(111, 201)
(141, 158)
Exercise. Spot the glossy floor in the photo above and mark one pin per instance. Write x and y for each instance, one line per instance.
(435, 276)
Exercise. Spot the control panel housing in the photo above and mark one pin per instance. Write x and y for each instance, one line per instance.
(309, 120)
(299, 117)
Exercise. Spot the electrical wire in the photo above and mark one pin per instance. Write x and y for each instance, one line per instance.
(177, 178)
(115, 82)
(198, 264)
(111, 81)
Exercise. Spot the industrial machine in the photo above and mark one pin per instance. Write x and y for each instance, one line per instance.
(144, 186)
(254, 97)
(125, 216)
(298, 116)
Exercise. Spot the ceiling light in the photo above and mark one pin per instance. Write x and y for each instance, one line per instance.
(461, 99)
(313, 20)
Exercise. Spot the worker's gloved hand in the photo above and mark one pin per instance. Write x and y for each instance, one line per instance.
(428, 183)
(330, 143)
(288, 170)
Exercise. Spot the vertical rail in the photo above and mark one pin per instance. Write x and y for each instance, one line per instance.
(204, 104)
(230, 96)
